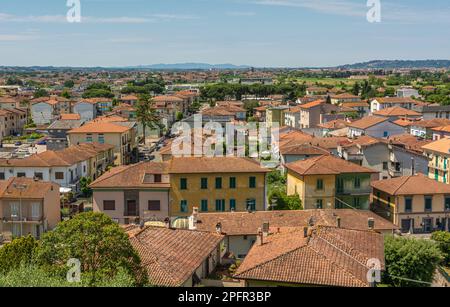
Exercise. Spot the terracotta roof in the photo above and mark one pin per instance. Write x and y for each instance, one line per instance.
(218, 111)
(362, 141)
(132, 176)
(313, 104)
(367, 122)
(403, 122)
(96, 100)
(303, 149)
(129, 97)
(70, 117)
(171, 256)
(345, 96)
(245, 223)
(442, 129)
(33, 189)
(65, 157)
(335, 124)
(100, 127)
(191, 165)
(396, 111)
(328, 256)
(326, 165)
(355, 104)
(167, 98)
(442, 146)
(396, 100)
(411, 185)
(409, 142)
(432, 123)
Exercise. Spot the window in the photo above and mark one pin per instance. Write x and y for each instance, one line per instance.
(385, 166)
(204, 204)
(385, 134)
(204, 183)
(408, 204)
(357, 182)
(154, 205)
(220, 205)
(14, 210)
(88, 138)
(19, 175)
(158, 178)
(59, 176)
(428, 203)
(232, 204)
(319, 204)
(184, 206)
(109, 205)
(319, 184)
(252, 182)
(35, 210)
(218, 182)
(2, 176)
(39, 176)
(183, 184)
(251, 204)
(447, 203)
(356, 203)
(101, 139)
(232, 182)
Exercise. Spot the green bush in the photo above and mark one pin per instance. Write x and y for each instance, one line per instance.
(443, 240)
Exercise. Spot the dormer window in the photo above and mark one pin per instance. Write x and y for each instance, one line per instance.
(158, 178)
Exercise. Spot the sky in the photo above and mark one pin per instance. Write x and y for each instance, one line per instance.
(261, 33)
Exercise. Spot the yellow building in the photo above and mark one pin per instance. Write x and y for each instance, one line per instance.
(216, 184)
(122, 135)
(276, 115)
(439, 154)
(416, 204)
(327, 182)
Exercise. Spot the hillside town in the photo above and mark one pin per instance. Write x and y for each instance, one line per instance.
(355, 165)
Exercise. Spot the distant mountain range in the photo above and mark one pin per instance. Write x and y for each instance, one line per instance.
(387, 64)
(191, 66)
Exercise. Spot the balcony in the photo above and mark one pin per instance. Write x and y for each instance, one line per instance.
(24, 220)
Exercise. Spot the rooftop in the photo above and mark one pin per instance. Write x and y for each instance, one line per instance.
(411, 185)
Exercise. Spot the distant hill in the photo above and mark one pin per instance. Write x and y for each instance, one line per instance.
(192, 66)
(386, 64)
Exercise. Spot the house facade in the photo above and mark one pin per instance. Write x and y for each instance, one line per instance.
(28, 207)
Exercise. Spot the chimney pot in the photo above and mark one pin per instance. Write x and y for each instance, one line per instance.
(260, 238)
(338, 222)
(371, 223)
(305, 232)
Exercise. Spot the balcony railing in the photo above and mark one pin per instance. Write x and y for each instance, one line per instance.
(14, 219)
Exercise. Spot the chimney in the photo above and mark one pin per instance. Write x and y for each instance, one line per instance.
(338, 222)
(265, 229)
(260, 237)
(219, 228)
(371, 223)
(305, 232)
(167, 222)
(193, 219)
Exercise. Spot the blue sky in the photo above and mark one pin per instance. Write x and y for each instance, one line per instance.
(262, 33)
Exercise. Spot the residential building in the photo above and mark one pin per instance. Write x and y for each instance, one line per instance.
(176, 257)
(65, 167)
(424, 128)
(395, 113)
(12, 121)
(292, 117)
(129, 99)
(407, 92)
(87, 109)
(362, 107)
(378, 127)
(333, 125)
(433, 111)
(133, 194)
(216, 184)
(441, 132)
(8, 102)
(57, 133)
(416, 204)
(378, 104)
(241, 228)
(317, 112)
(327, 182)
(28, 207)
(438, 153)
(122, 135)
(275, 115)
(45, 110)
(344, 98)
(314, 90)
(312, 256)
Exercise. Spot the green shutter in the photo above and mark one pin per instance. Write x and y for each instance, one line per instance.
(232, 204)
(232, 182)
(218, 182)
(252, 182)
(204, 205)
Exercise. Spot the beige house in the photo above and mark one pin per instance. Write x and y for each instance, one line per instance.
(416, 204)
(12, 121)
(122, 135)
(135, 193)
(27, 207)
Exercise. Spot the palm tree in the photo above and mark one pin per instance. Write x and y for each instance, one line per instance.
(146, 114)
